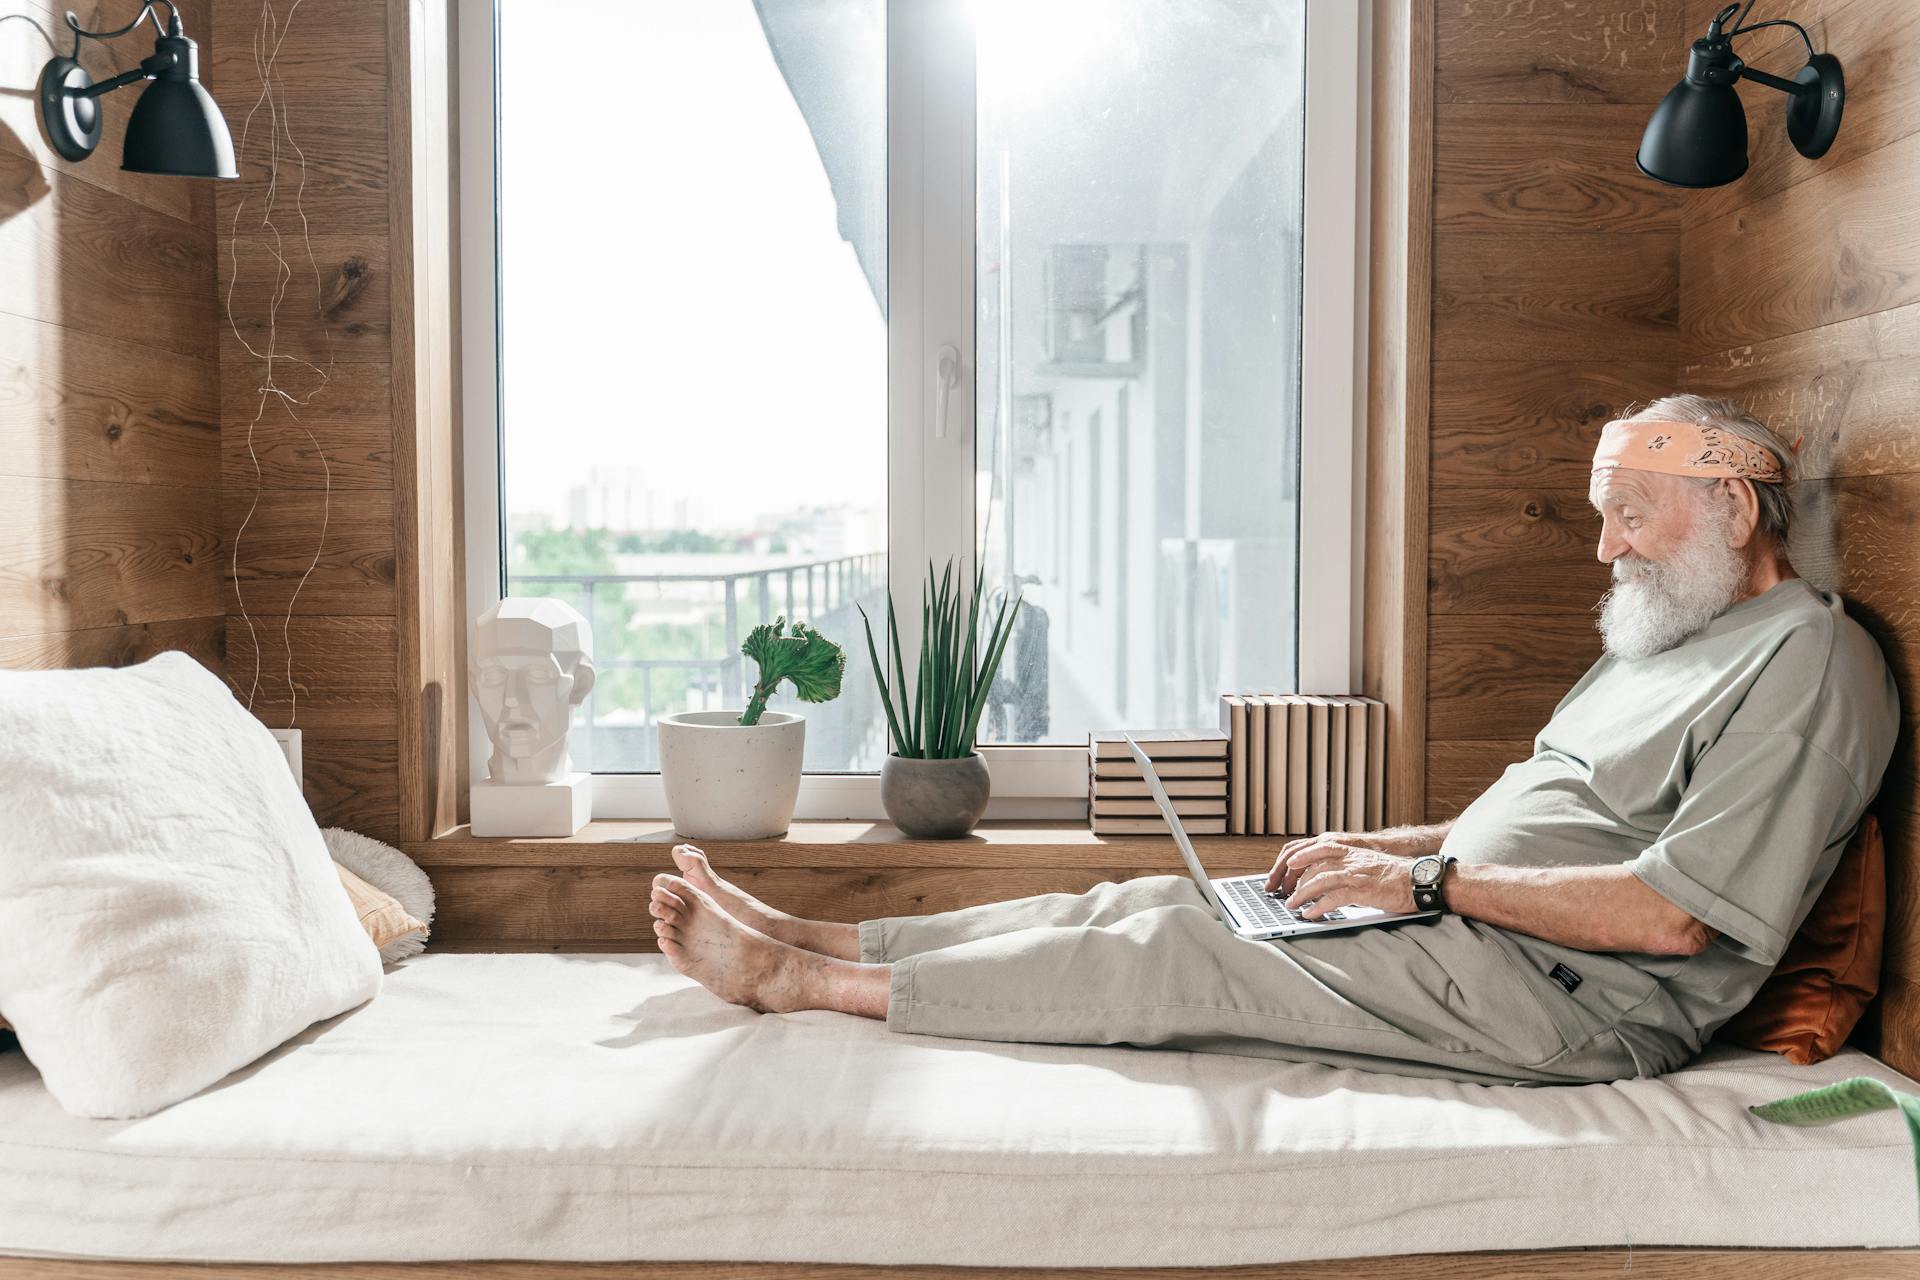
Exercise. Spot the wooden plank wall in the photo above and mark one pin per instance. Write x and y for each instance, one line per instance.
(318, 642)
(109, 417)
(1800, 295)
(1556, 290)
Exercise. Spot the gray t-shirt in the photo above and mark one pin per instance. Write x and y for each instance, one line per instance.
(1728, 773)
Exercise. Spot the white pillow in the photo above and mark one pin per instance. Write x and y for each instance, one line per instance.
(168, 912)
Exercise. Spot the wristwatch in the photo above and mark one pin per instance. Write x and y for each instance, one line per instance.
(1428, 874)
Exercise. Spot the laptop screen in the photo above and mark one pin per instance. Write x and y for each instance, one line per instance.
(1173, 824)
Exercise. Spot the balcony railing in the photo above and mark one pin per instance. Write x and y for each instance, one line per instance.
(822, 593)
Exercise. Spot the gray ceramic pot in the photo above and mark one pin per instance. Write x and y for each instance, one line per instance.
(935, 799)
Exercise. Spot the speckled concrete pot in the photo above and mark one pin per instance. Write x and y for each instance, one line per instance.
(725, 781)
(935, 799)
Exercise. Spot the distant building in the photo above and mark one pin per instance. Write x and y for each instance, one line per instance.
(622, 500)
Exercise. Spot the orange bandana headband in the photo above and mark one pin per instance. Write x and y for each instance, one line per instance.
(1686, 449)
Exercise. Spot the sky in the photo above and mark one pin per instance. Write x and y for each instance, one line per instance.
(673, 277)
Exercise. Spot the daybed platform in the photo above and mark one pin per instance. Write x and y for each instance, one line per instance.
(581, 1107)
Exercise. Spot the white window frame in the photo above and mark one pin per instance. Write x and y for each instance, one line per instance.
(930, 114)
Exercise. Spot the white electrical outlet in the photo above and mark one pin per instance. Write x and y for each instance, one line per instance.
(289, 740)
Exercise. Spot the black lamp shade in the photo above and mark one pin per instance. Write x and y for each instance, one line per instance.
(176, 129)
(1697, 137)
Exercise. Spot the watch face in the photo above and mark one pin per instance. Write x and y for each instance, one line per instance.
(1426, 872)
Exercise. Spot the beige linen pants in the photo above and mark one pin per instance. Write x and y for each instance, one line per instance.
(1147, 963)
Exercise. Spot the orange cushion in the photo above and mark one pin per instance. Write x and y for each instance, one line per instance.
(380, 914)
(1831, 970)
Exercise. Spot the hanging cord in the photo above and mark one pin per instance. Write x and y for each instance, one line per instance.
(146, 12)
(270, 34)
(1741, 27)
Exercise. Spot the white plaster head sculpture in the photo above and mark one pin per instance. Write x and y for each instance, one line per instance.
(531, 664)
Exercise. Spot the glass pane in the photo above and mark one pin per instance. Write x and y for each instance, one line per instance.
(693, 347)
(1139, 354)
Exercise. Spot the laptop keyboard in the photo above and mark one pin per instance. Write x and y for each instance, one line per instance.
(1255, 904)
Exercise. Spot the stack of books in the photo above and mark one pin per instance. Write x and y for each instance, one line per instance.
(1300, 764)
(1191, 765)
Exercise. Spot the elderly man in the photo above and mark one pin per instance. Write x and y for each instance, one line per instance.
(1610, 901)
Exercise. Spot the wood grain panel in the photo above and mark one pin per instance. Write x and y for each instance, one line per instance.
(78, 407)
(76, 555)
(1841, 244)
(609, 904)
(350, 532)
(1895, 1023)
(1878, 43)
(343, 674)
(1595, 51)
(33, 32)
(1533, 168)
(1855, 535)
(1501, 677)
(1513, 551)
(353, 784)
(1399, 355)
(204, 638)
(1457, 772)
(426, 418)
(90, 260)
(1531, 422)
(340, 319)
(330, 93)
(1555, 296)
(1540, 1264)
(1848, 387)
(350, 418)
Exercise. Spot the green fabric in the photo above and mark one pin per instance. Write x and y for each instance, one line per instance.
(1727, 773)
(1840, 1101)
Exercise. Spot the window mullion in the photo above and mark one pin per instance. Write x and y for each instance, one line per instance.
(930, 178)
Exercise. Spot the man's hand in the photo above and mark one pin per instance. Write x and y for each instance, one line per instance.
(1297, 853)
(1327, 873)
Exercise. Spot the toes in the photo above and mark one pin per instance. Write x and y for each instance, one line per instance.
(689, 858)
(666, 903)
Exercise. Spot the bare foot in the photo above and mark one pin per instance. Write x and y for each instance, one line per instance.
(841, 941)
(726, 955)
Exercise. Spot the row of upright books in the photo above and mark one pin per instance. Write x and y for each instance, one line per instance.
(1191, 765)
(1299, 764)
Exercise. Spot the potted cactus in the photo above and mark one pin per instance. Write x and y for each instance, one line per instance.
(935, 786)
(735, 775)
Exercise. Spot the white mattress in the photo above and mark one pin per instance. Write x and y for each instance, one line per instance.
(600, 1107)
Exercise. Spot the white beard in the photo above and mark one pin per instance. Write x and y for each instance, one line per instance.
(1654, 604)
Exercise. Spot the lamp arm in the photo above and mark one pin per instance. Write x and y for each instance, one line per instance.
(149, 68)
(1775, 82)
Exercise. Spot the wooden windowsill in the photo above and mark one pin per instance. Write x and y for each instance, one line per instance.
(849, 844)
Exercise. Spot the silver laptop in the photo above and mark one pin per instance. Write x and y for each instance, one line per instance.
(1242, 902)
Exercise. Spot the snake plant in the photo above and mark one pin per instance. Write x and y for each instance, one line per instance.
(957, 665)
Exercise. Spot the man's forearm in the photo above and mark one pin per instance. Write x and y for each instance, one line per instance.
(1410, 841)
(1587, 908)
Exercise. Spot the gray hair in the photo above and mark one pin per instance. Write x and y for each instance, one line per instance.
(1776, 500)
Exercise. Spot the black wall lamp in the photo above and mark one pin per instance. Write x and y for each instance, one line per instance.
(1698, 134)
(175, 128)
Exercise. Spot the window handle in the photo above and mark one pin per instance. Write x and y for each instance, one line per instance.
(946, 376)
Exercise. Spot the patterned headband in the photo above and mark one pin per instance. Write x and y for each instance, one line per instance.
(1687, 449)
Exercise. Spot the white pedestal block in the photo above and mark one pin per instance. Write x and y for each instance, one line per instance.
(533, 808)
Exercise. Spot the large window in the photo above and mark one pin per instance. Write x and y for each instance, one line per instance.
(723, 275)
